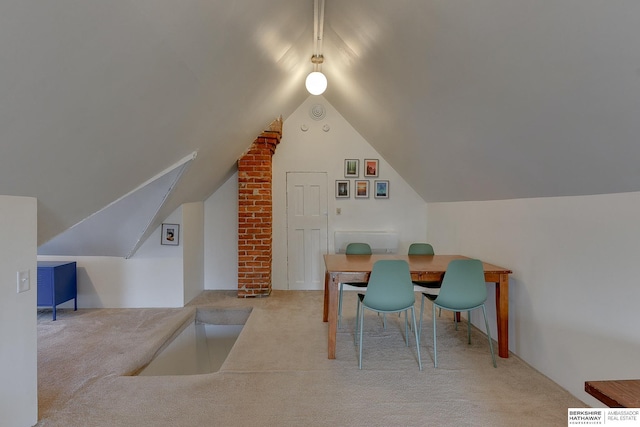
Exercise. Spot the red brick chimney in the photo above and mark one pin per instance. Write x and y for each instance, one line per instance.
(255, 213)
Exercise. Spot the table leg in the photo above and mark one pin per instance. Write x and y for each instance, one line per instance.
(502, 314)
(325, 312)
(333, 315)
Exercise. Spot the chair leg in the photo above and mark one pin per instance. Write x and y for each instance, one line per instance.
(340, 306)
(469, 327)
(421, 312)
(486, 324)
(355, 335)
(435, 351)
(415, 331)
(406, 326)
(361, 328)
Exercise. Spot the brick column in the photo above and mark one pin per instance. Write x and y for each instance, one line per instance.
(255, 214)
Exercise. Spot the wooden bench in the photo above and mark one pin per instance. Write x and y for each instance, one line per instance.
(615, 393)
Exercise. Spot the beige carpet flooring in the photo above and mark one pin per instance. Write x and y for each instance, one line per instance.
(278, 374)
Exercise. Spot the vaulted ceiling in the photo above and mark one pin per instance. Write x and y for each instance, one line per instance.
(466, 99)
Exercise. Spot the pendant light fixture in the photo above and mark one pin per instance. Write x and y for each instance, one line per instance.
(316, 82)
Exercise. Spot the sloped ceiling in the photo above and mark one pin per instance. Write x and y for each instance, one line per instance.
(480, 100)
(467, 99)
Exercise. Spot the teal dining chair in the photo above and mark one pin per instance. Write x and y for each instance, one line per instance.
(389, 291)
(421, 249)
(352, 249)
(463, 289)
(431, 287)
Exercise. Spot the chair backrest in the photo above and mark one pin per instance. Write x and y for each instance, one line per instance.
(463, 286)
(390, 287)
(358, 249)
(421, 249)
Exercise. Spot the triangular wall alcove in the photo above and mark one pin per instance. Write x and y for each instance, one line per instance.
(121, 227)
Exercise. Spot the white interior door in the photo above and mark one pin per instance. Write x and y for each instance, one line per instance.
(306, 229)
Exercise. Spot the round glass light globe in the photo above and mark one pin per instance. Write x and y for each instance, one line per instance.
(316, 83)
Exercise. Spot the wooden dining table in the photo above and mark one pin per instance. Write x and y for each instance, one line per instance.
(357, 268)
(615, 393)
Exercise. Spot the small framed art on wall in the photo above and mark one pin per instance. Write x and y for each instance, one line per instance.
(361, 190)
(342, 189)
(170, 234)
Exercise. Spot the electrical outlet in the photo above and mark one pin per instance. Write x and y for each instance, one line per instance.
(23, 281)
(338, 211)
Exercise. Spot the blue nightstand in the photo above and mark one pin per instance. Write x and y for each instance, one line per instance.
(57, 283)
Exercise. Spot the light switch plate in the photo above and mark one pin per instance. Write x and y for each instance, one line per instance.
(23, 281)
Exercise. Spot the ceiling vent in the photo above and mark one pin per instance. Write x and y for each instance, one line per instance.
(317, 112)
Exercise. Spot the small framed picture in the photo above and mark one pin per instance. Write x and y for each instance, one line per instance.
(351, 167)
(170, 234)
(371, 167)
(342, 189)
(362, 189)
(381, 189)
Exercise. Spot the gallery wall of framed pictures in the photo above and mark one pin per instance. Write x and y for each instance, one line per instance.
(362, 187)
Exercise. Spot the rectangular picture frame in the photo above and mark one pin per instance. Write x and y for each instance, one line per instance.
(381, 189)
(170, 234)
(361, 189)
(371, 168)
(342, 188)
(351, 168)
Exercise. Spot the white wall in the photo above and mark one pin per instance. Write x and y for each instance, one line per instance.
(156, 276)
(193, 249)
(153, 277)
(312, 151)
(315, 150)
(18, 328)
(221, 237)
(575, 288)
